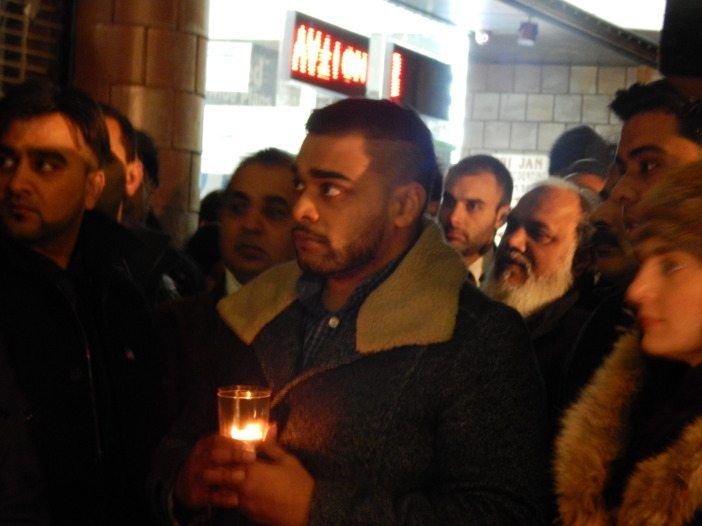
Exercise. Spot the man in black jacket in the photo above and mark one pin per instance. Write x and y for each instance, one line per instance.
(72, 322)
(541, 270)
(402, 395)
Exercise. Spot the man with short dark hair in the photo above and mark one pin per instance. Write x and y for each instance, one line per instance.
(255, 219)
(73, 324)
(662, 130)
(477, 197)
(400, 393)
(254, 234)
(163, 272)
(576, 144)
(140, 205)
(123, 143)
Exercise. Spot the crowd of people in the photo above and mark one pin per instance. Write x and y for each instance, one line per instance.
(421, 373)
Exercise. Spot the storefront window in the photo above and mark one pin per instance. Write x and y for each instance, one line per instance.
(251, 102)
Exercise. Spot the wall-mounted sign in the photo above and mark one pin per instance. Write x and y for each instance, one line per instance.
(419, 82)
(526, 170)
(326, 55)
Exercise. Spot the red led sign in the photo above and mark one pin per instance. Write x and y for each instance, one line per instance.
(396, 75)
(328, 56)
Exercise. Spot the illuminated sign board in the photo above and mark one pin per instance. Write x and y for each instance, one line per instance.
(326, 56)
(419, 82)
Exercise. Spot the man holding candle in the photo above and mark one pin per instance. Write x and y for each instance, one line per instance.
(401, 394)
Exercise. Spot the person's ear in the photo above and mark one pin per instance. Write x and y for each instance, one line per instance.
(407, 203)
(501, 216)
(134, 177)
(94, 184)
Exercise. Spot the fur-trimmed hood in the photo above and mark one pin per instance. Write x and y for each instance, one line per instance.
(416, 305)
(665, 489)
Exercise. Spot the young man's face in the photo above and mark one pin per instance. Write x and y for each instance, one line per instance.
(650, 145)
(471, 213)
(48, 177)
(256, 220)
(342, 212)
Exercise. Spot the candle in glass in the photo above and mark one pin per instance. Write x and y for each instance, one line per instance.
(243, 412)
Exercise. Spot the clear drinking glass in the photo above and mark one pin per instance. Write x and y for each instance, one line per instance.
(243, 412)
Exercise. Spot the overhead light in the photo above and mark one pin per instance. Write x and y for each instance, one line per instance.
(527, 33)
(482, 37)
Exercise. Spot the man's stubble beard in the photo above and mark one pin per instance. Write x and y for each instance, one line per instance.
(347, 261)
(37, 233)
(536, 292)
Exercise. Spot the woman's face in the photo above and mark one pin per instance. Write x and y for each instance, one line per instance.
(667, 295)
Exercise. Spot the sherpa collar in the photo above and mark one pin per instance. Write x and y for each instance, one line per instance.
(663, 490)
(416, 305)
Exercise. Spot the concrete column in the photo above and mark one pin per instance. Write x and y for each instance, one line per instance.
(147, 59)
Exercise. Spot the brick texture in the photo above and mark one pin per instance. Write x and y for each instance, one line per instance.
(194, 17)
(527, 79)
(583, 79)
(486, 106)
(524, 136)
(171, 59)
(110, 53)
(595, 110)
(151, 13)
(148, 58)
(148, 108)
(567, 108)
(497, 135)
(474, 134)
(540, 108)
(527, 107)
(555, 79)
(500, 78)
(609, 80)
(512, 107)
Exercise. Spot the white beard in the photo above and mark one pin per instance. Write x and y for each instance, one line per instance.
(535, 293)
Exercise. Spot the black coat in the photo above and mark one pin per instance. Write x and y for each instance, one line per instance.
(22, 486)
(76, 345)
(554, 331)
(437, 418)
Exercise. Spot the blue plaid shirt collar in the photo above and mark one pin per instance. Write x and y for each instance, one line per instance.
(310, 287)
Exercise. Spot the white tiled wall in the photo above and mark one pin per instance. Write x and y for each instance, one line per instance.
(524, 108)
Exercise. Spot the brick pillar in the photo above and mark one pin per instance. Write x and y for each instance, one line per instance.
(147, 58)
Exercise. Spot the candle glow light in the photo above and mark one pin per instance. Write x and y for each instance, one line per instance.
(250, 432)
(243, 412)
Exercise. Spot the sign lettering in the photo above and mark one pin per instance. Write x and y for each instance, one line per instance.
(328, 56)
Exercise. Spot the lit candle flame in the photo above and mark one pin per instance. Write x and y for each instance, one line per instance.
(251, 432)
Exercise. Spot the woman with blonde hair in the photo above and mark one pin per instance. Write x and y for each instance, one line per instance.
(630, 449)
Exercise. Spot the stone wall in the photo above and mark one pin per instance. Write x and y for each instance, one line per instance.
(524, 108)
(147, 58)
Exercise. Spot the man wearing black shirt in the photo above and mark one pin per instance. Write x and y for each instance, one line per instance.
(72, 322)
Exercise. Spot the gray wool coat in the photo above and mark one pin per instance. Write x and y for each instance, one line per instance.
(438, 419)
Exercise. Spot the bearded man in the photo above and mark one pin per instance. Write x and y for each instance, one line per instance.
(541, 270)
(401, 394)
